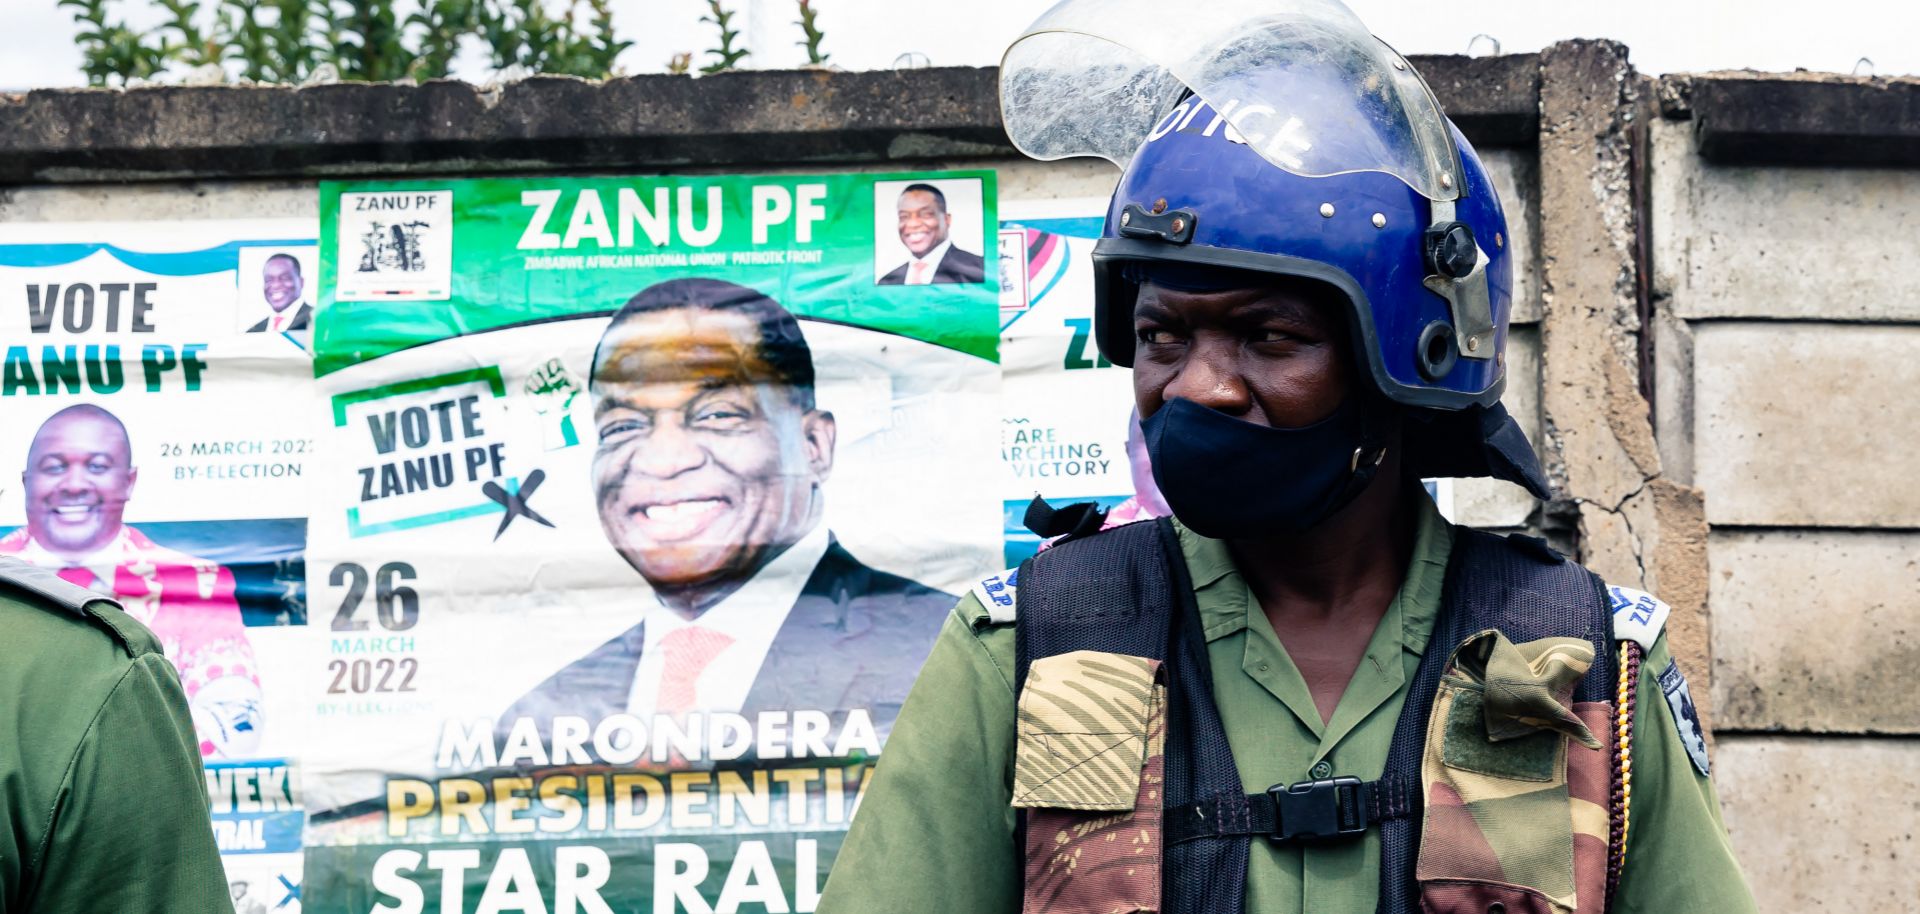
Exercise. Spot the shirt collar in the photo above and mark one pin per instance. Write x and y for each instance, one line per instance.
(1222, 594)
(1424, 587)
(107, 556)
(939, 251)
(101, 563)
(743, 614)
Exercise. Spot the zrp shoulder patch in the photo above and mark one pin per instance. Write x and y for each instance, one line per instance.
(1685, 718)
(1638, 616)
(997, 593)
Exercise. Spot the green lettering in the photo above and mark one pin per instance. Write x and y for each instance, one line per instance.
(19, 373)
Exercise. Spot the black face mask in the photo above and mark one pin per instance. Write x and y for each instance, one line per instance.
(1231, 479)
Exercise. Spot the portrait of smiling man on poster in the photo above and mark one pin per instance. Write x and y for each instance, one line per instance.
(78, 480)
(924, 217)
(709, 479)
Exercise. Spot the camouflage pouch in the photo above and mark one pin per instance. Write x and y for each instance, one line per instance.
(1516, 784)
(1088, 770)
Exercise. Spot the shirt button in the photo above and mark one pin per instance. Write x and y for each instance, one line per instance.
(1321, 770)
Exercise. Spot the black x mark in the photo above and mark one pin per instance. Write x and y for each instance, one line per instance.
(516, 502)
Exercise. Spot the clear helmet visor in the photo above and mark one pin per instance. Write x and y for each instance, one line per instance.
(1302, 82)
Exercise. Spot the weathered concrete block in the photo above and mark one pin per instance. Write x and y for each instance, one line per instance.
(1807, 424)
(1516, 178)
(1816, 630)
(1755, 241)
(1806, 118)
(749, 119)
(158, 202)
(1673, 393)
(1823, 826)
(1491, 502)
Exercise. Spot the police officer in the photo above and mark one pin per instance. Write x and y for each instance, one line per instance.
(1306, 691)
(103, 806)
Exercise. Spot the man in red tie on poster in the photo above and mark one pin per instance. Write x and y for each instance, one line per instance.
(709, 478)
(926, 228)
(283, 288)
(79, 478)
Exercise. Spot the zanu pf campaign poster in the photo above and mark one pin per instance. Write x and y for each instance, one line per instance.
(638, 504)
(159, 397)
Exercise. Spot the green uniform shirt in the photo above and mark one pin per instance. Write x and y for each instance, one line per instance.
(935, 830)
(103, 806)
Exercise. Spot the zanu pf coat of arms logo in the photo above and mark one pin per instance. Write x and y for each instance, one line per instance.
(395, 246)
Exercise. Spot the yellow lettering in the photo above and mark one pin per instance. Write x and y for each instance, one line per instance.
(509, 797)
(646, 790)
(407, 799)
(755, 802)
(554, 796)
(686, 798)
(796, 781)
(460, 802)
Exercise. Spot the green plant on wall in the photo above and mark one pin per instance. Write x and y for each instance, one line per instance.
(581, 42)
(727, 54)
(188, 43)
(369, 46)
(811, 28)
(440, 24)
(285, 41)
(268, 40)
(112, 51)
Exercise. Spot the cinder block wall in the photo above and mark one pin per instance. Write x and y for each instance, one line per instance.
(1788, 330)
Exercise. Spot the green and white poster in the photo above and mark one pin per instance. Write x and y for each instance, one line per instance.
(638, 504)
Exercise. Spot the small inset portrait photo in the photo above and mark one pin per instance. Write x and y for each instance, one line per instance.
(276, 288)
(928, 232)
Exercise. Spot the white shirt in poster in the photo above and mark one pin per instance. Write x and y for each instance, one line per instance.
(918, 275)
(751, 617)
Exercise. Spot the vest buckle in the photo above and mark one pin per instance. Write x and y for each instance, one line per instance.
(1330, 809)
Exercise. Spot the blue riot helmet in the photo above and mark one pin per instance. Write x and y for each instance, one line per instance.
(1280, 137)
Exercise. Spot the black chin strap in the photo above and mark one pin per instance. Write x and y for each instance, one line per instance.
(1332, 809)
(1379, 420)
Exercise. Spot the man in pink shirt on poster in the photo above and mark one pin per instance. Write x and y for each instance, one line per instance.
(1146, 503)
(79, 477)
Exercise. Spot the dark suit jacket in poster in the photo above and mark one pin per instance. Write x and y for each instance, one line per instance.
(957, 266)
(855, 639)
(301, 319)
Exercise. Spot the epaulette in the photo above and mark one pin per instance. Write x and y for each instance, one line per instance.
(49, 589)
(1638, 616)
(46, 585)
(996, 594)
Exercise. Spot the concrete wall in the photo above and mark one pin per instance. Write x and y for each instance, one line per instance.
(1788, 324)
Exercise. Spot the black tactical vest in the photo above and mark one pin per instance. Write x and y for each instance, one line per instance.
(1127, 591)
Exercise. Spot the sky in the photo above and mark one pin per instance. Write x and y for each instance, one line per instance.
(1665, 36)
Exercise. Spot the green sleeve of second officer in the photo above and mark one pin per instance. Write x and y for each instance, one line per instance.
(935, 831)
(103, 803)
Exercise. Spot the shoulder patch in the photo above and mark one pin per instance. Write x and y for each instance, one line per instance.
(1638, 616)
(997, 594)
(1686, 718)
